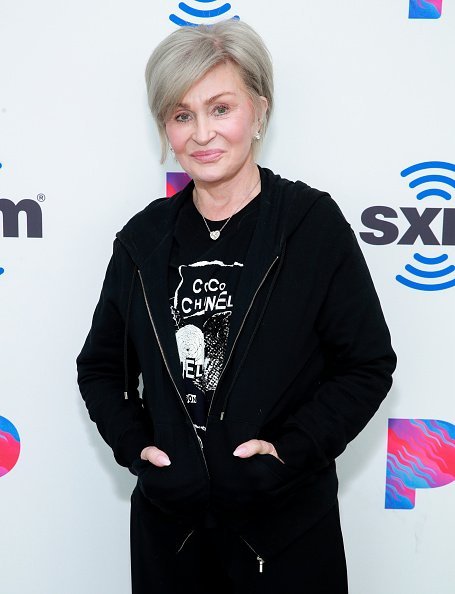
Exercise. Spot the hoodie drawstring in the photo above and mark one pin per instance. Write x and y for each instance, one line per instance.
(125, 338)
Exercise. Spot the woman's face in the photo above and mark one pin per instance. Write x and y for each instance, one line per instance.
(212, 129)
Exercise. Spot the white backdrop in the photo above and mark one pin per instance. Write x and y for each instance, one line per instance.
(362, 92)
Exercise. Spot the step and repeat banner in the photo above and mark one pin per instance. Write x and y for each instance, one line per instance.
(365, 99)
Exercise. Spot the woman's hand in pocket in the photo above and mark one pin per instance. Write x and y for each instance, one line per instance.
(256, 446)
(155, 456)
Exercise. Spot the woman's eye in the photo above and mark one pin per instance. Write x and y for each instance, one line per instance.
(182, 117)
(221, 109)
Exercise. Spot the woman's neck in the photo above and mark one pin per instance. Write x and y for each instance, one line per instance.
(219, 201)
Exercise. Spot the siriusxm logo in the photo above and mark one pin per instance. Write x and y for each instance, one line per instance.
(425, 9)
(426, 271)
(193, 16)
(420, 455)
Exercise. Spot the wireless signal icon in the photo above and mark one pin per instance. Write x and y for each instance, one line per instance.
(428, 273)
(431, 178)
(201, 15)
(431, 273)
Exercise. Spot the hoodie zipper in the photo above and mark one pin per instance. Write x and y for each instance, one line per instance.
(258, 557)
(238, 334)
(169, 371)
(225, 365)
(184, 541)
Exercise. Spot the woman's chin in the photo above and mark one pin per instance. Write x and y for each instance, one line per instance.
(212, 173)
(206, 175)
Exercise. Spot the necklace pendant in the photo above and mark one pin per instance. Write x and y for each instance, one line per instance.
(214, 234)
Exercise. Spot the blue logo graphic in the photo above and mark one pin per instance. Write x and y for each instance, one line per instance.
(425, 276)
(431, 178)
(425, 9)
(200, 15)
(429, 273)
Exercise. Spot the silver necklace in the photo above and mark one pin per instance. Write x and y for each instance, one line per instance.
(215, 234)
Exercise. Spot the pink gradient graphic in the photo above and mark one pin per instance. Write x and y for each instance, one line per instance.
(425, 9)
(9, 446)
(176, 181)
(420, 455)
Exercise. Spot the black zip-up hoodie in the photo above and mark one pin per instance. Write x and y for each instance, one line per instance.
(308, 361)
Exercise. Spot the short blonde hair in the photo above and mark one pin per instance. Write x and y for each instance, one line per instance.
(187, 54)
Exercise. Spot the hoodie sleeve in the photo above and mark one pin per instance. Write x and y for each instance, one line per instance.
(360, 362)
(122, 422)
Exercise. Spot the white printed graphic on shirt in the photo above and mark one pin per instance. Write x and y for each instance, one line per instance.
(200, 344)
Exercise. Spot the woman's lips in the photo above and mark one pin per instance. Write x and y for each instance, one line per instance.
(207, 156)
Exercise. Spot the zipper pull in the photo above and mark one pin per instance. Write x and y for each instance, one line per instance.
(126, 395)
(261, 563)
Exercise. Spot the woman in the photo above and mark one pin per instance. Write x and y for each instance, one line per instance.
(247, 306)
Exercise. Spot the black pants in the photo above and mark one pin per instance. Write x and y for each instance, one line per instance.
(217, 562)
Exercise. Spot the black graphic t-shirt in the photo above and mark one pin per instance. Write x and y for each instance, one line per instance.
(203, 276)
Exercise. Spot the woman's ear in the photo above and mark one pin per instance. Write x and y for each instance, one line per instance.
(264, 105)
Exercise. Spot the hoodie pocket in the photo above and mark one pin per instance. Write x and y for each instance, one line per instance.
(282, 470)
(182, 488)
(242, 483)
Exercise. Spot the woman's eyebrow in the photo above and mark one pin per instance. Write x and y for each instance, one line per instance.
(215, 97)
(209, 100)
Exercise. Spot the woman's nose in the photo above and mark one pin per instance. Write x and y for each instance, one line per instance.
(203, 132)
